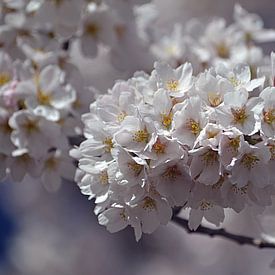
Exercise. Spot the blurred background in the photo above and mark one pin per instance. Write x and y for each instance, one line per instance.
(44, 233)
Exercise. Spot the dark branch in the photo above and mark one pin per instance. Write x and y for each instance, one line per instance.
(241, 240)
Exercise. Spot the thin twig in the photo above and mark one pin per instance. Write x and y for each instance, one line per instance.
(241, 240)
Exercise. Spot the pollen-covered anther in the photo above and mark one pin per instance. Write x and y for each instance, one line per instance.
(239, 190)
(141, 136)
(159, 147)
(43, 98)
(109, 145)
(269, 116)
(234, 81)
(121, 116)
(148, 204)
(272, 150)
(239, 115)
(210, 157)
(223, 50)
(135, 168)
(234, 143)
(172, 85)
(205, 205)
(123, 216)
(4, 78)
(249, 160)
(92, 29)
(211, 134)
(103, 178)
(172, 172)
(214, 99)
(167, 120)
(51, 163)
(31, 126)
(193, 126)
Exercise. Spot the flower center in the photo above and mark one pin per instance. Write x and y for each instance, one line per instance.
(159, 148)
(172, 172)
(149, 204)
(210, 157)
(172, 85)
(109, 145)
(222, 50)
(51, 163)
(234, 81)
(272, 150)
(239, 115)
(92, 29)
(135, 167)
(239, 190)
(43, 98)
(4, 78)
(205, 205)
(141, 136)
(121, 116)
(269, 116)
(234, 143)
(167, 120)
(214, 99)
(31, 126)
(193, 126)
(103, 178)
(249, 160)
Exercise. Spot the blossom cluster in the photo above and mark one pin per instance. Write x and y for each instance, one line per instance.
(197, 136)
(204, 142)
(39, 112)
(40, 29)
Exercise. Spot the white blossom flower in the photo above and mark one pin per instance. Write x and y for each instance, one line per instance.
(252, 26)
(189, 121)
(251, 166)
(237, 111)
(177, 82)
(268, 112)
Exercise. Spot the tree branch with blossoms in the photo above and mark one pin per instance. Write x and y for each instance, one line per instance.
(239, 239)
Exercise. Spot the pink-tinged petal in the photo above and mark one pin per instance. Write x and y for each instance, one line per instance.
(195, 218)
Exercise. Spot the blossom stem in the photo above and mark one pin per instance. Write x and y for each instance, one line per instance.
(239, 239)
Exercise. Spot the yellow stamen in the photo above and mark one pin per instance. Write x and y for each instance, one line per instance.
(172, 172)
(214, 99)
(239, 191)
(149, 204)
(103, 178)
(210, 157)
(249, 160)
(135, 167)
(269, 116)
(172, 85)
(239, 115)
(222, 50)
(43, 98)
(141, 136)
(234, 143)
(167, 120)
(92, 29)
(4, 78)
(206, 205)
(159, 148)
(109, 145)
(51, 163)
(121, 116)
(31, 127)
(193, 126)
